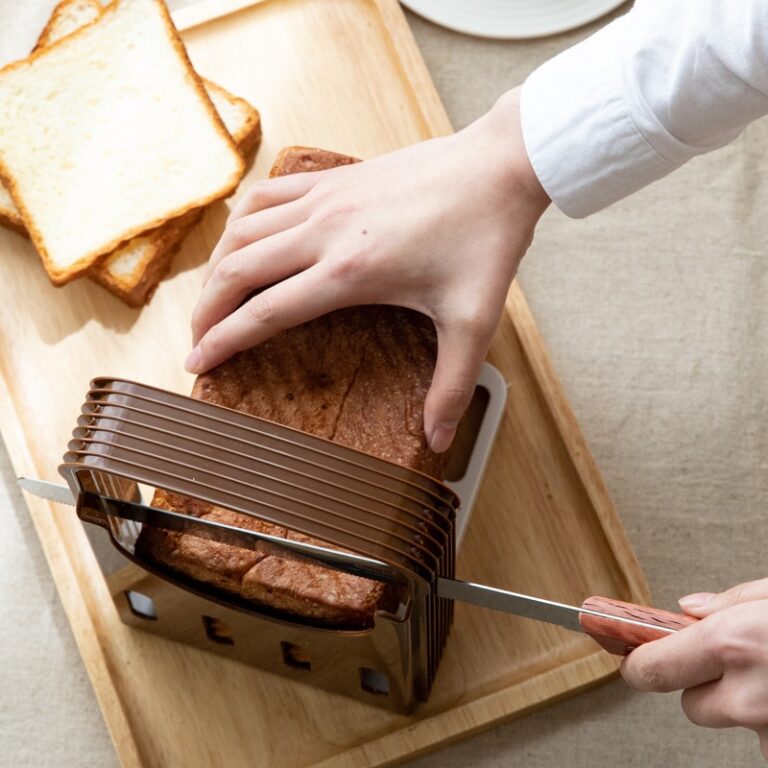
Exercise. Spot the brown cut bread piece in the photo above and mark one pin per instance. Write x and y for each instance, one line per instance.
(296, 159)
(358, 377)
(284, 584)
(107, 133)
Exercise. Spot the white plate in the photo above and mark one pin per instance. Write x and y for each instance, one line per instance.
(511, 19)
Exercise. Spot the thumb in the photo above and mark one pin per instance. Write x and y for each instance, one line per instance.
(460, 355)
(703, 604)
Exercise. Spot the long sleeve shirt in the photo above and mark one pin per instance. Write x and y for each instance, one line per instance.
(669, 80)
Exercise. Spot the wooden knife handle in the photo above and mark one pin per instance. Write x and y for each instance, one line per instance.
(620, 638)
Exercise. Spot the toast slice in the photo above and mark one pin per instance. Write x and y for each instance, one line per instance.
(9, 213)
(107, 133)
(67, 17)
(133, 271)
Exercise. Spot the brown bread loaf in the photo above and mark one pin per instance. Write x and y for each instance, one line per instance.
(358, 377)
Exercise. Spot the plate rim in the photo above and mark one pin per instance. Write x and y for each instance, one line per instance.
(601, 8)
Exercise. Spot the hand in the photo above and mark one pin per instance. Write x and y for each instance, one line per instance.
(439, 227)
(721, 662)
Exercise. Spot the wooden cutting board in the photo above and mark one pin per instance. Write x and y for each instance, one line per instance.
(345, 75)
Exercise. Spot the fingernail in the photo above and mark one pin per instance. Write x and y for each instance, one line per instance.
(695, 601)
(194, 360)
(442, 436)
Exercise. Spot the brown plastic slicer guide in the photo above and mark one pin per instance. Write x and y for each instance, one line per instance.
(399, 523)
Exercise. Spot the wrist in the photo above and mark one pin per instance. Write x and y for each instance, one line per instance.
(503, 130)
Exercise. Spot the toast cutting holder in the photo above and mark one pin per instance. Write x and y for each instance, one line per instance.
(332, 506)
(374, 518)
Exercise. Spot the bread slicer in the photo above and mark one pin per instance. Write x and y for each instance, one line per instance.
(130, 436)
(402, 536)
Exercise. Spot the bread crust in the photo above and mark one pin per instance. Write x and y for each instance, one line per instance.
(9, 220)
(163, 243)
(84, 263)
(48, 35)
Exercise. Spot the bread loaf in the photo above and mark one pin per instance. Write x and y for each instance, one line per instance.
(358, 377)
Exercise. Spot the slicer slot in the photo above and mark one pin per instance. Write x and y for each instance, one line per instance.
(466, 435)
(295, 656)
(141, 605)
(217, 631)
(373, 681)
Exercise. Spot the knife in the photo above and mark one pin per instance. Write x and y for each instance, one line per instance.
(617, 626)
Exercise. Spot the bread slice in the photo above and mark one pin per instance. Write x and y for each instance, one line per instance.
(133, 271)
(357, 377)
(67, 17)
(107, 133)
(9, 213)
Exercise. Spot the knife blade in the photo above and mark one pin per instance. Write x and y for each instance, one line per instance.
(206, 529)
(617, 626)
(45, 490)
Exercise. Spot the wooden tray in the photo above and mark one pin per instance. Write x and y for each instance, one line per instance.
(345, 75)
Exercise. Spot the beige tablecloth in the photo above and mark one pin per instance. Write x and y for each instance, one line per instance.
(655, 315)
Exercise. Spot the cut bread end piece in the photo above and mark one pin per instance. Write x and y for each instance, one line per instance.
(142, 157)
(295, 159)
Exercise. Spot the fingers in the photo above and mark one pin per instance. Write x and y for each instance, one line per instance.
(706, 705)
(736, 700)
(461, 350)
(706, 603)
(271, 192)
(252, 227)
(682, 660)
(296, 300)
(239, 273)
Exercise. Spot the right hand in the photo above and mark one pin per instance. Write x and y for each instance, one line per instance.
(439, 227)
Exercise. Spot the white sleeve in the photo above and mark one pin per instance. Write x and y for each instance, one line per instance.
(669, 80)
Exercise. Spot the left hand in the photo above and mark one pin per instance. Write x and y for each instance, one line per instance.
(439, 227)
(720, 663)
